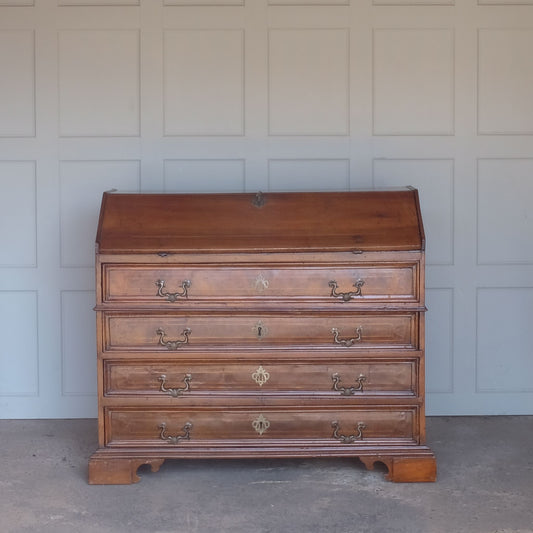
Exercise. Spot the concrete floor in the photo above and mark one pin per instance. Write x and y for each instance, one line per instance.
(485, 485)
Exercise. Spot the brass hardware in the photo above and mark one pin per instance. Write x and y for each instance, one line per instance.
(259, 200)
(261, 284)
(260, 330)
(346, 296)
(175, 440)
(347, 342)
(172, 296)
(177, 391)
(347, 391)
(260, 424)
(261, 376)
(173, 345)
(348, 439)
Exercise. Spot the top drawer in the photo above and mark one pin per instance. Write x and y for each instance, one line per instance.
(178, 285)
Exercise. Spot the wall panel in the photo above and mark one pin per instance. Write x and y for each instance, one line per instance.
(203, 82)
(19, 361)
(504, 342)
(308, 82)
(505, 224)
(99, 83)
(308, 174)
(439, 341)
(18, 231)
(413, 81)
(505, 78)
(78, 324)
(204, 175)
(285, 95)
(17, 65)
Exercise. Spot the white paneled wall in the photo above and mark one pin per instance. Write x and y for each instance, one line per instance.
(285, 95)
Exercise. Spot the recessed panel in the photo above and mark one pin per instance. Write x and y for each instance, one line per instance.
(99, 83)
(308, 82)
(439, 340)
(82, 186)
(98, 2)
(413, 82)
(78, 324)
(203, 2)
(204, 82)
(504, 340)
(18, 232)
(17, 83)
(308, 174)
(19, 356)
(413, 2)
(434, 179)
(204, 175)
(308, 2)
(505, 224)
(505, 2)
(505, 74)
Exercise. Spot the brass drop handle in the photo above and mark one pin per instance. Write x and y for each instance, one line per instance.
(175, 392)
(346, 296)
(348, 391)
(175, 439)
(347, 342)
(348, 439)
(172, 296)
(173, 345)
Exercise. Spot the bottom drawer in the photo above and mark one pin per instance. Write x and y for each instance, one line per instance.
(247, 427)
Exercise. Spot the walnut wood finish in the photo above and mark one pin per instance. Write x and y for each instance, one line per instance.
(373, 377)
(259, 283)
(276, 325)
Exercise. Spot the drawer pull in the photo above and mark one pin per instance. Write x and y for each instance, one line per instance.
(347, 342)
(172, 296)
(346, 296)
(177, 391)
(348, 391)
(175, 440)
(173, 345)
(348, 439)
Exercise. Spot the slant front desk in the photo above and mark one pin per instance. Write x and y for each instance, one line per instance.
(260, 325)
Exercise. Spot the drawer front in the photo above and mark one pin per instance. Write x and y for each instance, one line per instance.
(180, 333)
(180, 285)
(197, 427)
(185, 380)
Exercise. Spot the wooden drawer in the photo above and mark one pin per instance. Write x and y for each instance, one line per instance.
(219, 427)
(179, 285)
(180, 333)
(184, 380)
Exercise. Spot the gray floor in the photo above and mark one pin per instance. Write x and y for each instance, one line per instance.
(485, 485)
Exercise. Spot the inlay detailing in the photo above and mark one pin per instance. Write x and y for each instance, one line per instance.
(261, 284)
(261, 376)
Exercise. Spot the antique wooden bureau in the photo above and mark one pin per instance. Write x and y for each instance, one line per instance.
(260, 325)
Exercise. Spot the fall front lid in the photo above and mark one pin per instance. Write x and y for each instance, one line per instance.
(269, 222)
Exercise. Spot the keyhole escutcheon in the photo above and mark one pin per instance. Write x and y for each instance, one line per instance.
(260, 330)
